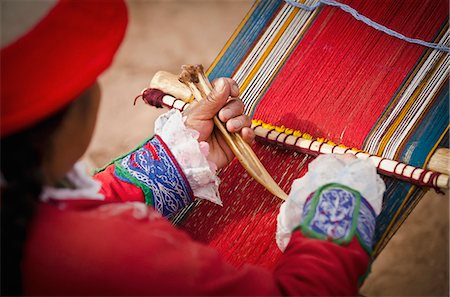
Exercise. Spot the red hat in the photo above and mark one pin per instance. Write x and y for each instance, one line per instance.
(58, 59)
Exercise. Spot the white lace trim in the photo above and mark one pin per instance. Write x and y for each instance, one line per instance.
(357, 174)
(190, 154)
(85, 186)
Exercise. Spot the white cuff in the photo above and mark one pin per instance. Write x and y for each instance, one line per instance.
(357, 174)
(85, 186)
(190, 154)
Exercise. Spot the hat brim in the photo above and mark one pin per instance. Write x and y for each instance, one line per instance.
(58, 59)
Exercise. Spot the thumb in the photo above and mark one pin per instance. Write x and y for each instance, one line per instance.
(215, 100)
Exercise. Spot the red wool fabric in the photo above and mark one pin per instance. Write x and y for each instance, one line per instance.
(58, 59)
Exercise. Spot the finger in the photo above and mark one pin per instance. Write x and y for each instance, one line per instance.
(237, 123)
(219, 146)
(232, 109)
(215, 100)
(248, 134)
(234, 88)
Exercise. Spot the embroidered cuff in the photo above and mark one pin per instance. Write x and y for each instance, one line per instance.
(190, 154)
(155, 170)
(336, 213)
(358, 175)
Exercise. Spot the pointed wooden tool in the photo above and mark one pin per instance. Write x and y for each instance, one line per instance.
(195, 78)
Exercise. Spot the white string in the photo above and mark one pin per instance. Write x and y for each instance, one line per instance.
(369, 22)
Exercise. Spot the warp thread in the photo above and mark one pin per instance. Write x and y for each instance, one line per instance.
(369, 22)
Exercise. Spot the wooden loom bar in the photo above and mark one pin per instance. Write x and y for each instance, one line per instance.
(415, 175)
(435, 176)
(170, 84)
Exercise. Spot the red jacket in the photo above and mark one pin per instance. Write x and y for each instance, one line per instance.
(111, 247)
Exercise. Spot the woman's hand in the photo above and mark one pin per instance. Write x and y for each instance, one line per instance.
(224, 102)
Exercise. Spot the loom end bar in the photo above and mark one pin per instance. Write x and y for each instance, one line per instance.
(436, 176)
(169, 84)
(440, 161)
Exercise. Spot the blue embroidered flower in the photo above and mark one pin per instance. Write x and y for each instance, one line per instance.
(336, 212)
(154, 169)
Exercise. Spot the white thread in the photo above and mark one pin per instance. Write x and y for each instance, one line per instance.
(369, 22)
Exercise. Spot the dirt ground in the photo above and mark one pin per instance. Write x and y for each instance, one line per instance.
(166, 34)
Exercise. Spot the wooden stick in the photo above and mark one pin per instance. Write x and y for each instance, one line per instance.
(415, 175)
(196, 80)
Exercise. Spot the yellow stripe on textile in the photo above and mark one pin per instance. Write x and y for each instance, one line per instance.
(269, 49)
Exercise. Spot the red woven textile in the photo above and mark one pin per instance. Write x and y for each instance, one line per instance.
(343, 73)
(336, 84)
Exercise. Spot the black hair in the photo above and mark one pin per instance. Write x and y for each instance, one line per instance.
(22, 157)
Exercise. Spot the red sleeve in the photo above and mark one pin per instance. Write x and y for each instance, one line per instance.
(116, 190)
(122, 250)
(314, 267)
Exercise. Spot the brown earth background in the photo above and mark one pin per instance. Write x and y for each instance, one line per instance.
(163, 35)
